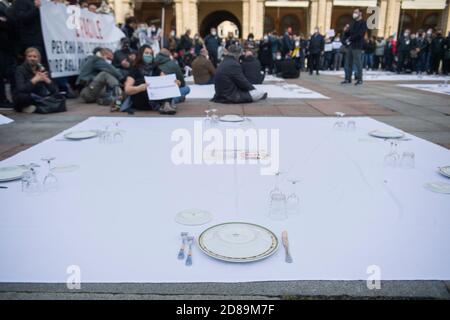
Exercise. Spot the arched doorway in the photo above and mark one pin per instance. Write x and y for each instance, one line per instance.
(213, 19)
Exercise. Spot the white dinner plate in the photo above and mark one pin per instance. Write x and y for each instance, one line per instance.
(386, 134)
(238, 242)
(445, 171)
(231, 118)
(439, 187)
(79, 135)
(193, 217)
(11, 173)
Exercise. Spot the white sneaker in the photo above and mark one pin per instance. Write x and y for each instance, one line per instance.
(29, 109)
(258, 95)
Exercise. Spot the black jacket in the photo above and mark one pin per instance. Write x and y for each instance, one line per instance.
(437, 45)
(185, 43)
(288, 44)
(7, 36)
(316, 44)
(265, 53)
(24, 74)
(230, 83)
(28, 23)
(405, 44)
(287, 69)
(356, 34)
(252, 70)
(212, 43)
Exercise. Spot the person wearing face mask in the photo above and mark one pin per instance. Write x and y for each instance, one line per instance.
(120, 59)
(169, 66)
(355, 41)
(230, 83)
(212, 43)
(437, 52)
(422, 48)
(186, 42)
(337, 52)
(171, 42)
(316, 49)
(32, 82)
(136, 88)
(250, 42)
(265, 54)
(99, 79)
(405, 45)
(203, 69)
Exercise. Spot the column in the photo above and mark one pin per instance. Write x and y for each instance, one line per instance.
(329, 11)
(186, 13)
(445, 20)
(119, 11)
(313, 9)
(245, 19)
(392, 17)
(193, 16)
(381, 27)
(321, 15)
(179, 17)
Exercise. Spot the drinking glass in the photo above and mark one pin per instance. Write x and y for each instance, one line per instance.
(277, 209)
(351, 125)
(408, 160)
(30, 183)
(293, 200)
(117, 133)
(50, 181)
(276, 189)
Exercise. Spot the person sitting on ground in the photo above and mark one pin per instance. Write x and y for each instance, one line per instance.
(99, 79)
(136, 88)
(230, 83)
(121, 59)
(168, 66)
(203, 69)
(286, 68)
(252, 68)
(32, 82)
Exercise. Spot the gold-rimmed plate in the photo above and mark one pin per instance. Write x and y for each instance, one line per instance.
(238, 242)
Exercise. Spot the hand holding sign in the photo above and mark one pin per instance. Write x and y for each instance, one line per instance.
(162, 87)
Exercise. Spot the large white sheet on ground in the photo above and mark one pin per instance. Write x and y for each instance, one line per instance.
(114, 217)
(390, 76)
(5, 120)
(273, 91)
(435, 88)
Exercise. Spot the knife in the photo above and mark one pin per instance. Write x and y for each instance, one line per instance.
(284, 237)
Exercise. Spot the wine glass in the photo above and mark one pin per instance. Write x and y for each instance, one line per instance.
(117, 133)
(276, 189)
(293, 200)
(392, 158)
(30, 183)
(339, 124)
(351, 125)
(50, 181)
(277, 209)
(408, 160)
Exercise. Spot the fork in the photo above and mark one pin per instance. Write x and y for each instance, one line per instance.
(189, 257)
(284, 237)
(183, 245)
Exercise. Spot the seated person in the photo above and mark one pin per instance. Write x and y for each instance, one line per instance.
(136, 88)
(32, 82)
(252, 68)
(286, 68)
(122, 59)
(99, 79)
(168, 66)
(202, 69)
(230, 83)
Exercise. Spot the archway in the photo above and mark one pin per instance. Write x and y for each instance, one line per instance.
(213, 19)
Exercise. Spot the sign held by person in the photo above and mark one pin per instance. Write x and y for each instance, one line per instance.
(162, 87)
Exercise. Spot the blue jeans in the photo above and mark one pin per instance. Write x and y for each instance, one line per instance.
(368, 60)
(184, 92)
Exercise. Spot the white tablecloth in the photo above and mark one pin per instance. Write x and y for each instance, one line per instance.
(435, 88)
(114, 217)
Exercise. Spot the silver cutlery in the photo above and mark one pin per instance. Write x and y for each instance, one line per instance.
(183, 245)
(189, 257)
(284, 237)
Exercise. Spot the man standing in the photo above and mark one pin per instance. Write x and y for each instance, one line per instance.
(316, 48)
(355, 40)
(212, 43)
(405, 45)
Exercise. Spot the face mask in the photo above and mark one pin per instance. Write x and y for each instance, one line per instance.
(213, 33)
(266, 38)
(429, 33)
(406, 34)
(278, 58)
(355, 16)
(108, 61)
(172, 34)
(316, 31)
(250, 39)
(297, 43)
(148, 58)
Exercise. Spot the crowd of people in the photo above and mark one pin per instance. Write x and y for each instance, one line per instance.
(234, 66)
